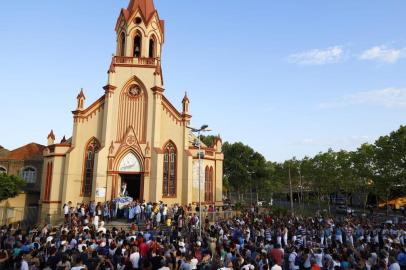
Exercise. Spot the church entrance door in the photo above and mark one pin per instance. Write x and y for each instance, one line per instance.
(134, 185)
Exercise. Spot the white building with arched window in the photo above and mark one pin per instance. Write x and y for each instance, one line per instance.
(132, 134)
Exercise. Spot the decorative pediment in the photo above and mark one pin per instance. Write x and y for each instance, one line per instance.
(130, 139)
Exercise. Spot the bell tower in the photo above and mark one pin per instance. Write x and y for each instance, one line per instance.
(140, 32)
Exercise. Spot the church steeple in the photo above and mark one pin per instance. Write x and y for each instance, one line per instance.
(146, 7)
(51, 137)
(81, 100)
(185, 104)
(140, 32)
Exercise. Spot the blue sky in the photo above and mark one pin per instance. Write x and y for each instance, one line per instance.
(289, 78)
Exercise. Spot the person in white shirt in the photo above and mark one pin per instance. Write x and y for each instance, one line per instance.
(96, 221)
(292, 260)
(318, 255)
(79, 265)
(24, 264)
(164, 213)
(193, 263)
(276, 267)
(66, 208)
(135, 258)
(102, 229)
(393, 264)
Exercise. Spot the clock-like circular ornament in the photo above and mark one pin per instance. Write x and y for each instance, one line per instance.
(134, 90)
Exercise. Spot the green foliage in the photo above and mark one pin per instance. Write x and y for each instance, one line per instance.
(371, 168)
(208, 140)
(246, 169)
(278, 211)
(390, 159)
(10, 186)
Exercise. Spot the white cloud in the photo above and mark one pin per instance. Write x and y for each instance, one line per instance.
(388, 97)
(383, 54)
(318, 56)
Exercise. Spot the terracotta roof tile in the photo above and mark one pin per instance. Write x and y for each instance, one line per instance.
(32, 151)
(146, 6)
(3, 151)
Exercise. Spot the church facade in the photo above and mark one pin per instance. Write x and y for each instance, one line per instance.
(132, 134)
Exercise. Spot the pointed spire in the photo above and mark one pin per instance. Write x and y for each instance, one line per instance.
(51, 137)
(81, 95)
(185, 104)
(63, 139)
(81, 100)
(146, 7)
(185, 98)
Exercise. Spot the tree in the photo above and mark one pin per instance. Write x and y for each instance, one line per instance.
(10, 186)
(390, 161)
(208, 140)
(324, 175)
(245, 169)
(363, 164)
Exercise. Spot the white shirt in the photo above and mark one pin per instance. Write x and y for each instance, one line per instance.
(135, 259)
(394, 266)
(96, 220)
(24, 265)
(193, 263)
(292, 259)
(80, 267)
(276, 267)
(66, 209)
(319, 259)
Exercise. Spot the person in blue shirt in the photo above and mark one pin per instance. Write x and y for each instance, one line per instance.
(401, 258)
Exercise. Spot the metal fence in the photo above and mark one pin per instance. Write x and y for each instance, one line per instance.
(25, 216)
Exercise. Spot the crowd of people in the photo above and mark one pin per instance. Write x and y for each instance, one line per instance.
(178, 240)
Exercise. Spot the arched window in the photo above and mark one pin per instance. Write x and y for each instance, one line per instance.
(3, 170)
(122, 44)
(29, 174)
(151, 48)
(137, 46)
(91, 149)
(169, 171)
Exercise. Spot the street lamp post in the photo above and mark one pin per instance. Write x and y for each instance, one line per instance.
(199, 131)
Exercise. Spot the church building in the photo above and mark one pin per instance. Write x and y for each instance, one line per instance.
(132, 134)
